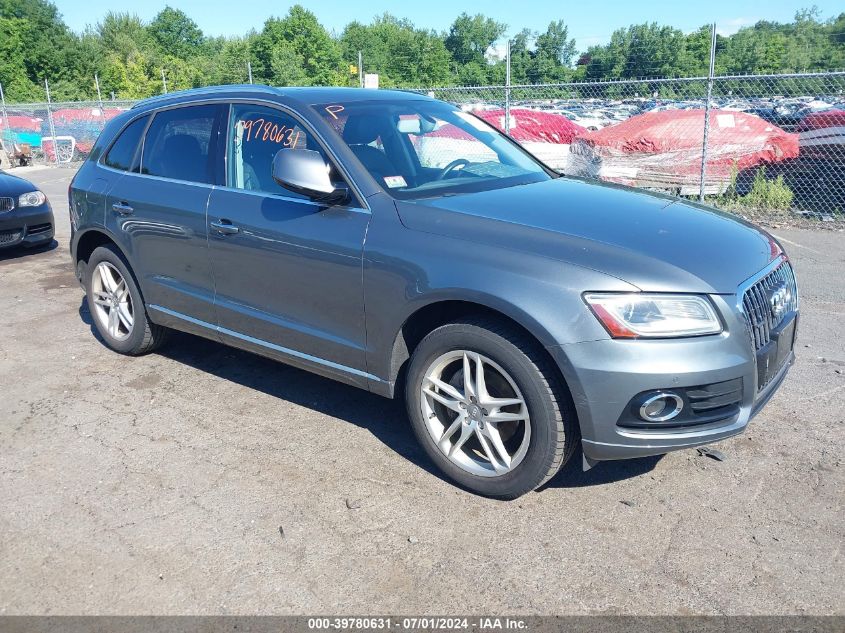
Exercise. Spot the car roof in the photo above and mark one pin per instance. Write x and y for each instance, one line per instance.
(297, 95)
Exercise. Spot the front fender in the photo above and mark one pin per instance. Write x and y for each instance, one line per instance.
(406, 271)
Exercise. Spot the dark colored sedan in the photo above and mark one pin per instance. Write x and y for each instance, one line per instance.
(26, 218)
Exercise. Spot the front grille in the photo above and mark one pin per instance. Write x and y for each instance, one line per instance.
(756, 303)
(7, 237)
(38, 229)
(716, 397)
(7, 204)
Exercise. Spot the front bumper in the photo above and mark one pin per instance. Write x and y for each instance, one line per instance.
(27, 226)
(604, 376)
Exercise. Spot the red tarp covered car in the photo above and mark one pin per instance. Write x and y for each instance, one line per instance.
(84, 115)
(662, 150)
(21, 122)
(544, 134)
(76, 130)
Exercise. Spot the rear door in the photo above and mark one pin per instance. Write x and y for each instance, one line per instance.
(90, 185)
(288, 270)
(159, 212)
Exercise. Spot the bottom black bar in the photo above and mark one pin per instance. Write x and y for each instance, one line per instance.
(482, 623)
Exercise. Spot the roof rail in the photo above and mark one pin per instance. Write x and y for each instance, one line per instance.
(207, 90)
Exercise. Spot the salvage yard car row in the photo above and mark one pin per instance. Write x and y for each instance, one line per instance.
(71, 134)
(660, 144)
(642, 142)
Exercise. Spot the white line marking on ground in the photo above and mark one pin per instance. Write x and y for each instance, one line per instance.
(783, 239)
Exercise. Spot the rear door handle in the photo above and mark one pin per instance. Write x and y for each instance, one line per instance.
(224, 227)
(122, 208)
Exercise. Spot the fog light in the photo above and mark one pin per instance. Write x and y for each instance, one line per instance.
(661, 407)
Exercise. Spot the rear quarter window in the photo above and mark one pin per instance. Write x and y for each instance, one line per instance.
(125, 152)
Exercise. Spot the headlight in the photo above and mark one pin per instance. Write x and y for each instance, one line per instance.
(638, 315)
(32, 199)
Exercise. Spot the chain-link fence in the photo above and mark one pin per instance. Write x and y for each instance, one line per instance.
(54, 133)
(760, 143)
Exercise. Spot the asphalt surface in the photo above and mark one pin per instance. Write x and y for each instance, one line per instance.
(204, 480)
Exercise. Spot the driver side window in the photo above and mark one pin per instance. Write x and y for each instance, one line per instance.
(256, 133)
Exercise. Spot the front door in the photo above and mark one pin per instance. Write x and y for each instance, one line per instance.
(287, 270)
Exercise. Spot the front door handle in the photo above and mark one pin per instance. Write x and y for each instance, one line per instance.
(224, 227)
(122, 208)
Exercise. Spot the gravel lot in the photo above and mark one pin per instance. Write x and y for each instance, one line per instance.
(205, 480)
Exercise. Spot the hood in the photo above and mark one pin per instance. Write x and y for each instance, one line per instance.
(654, 242)
(12, 186)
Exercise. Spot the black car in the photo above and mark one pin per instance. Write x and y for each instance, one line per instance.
(26, 218)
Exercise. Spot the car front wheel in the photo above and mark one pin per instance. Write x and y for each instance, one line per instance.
(487, 406)
(117, 307)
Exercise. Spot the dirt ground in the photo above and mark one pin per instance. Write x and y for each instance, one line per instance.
(204, 480)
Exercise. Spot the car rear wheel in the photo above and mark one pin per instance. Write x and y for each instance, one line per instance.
(486, 405)
(117, 307)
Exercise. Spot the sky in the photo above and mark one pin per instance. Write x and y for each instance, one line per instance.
(589, 22)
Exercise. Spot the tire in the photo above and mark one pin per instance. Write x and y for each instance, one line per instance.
(539, 435)
(141, 336)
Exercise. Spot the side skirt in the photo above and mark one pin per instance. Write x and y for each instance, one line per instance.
(314, 364)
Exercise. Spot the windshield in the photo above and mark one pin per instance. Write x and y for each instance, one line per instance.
(424, 149)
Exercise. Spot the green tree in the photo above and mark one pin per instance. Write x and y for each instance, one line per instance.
(127, 67)
(133, 78)
(542, 58)
(357, 36)
(230, 63)
(175, 33)
(470, 37)
(129, 54)
(302, 40)
(836, 41)
(123, 35)
(808, 47)
(522, 57)
(760, 49)
(17, 86)
(287, 66)
(696, 59)
(50, 47)
(555, 51)
(642, 50)
(401, 54)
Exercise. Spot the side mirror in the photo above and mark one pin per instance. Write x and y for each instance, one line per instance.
(304, 171)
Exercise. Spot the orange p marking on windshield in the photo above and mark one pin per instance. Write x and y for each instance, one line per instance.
(334, 110)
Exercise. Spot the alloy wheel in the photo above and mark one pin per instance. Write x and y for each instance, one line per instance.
(475, 413)
(65, 152)
(112, 301)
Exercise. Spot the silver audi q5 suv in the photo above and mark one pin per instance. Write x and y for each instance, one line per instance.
(401, 245)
